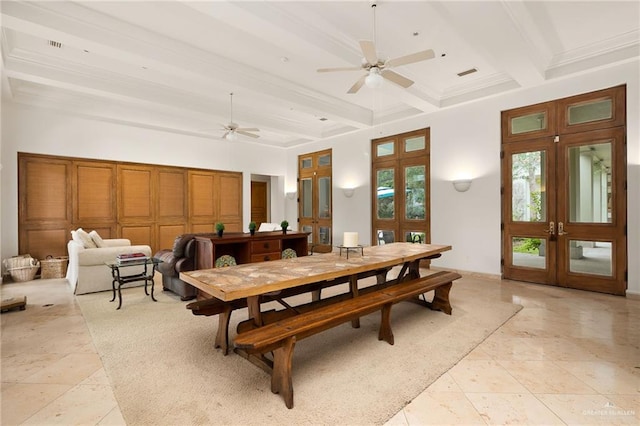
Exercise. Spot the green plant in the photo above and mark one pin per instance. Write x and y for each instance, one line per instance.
(219, 226)
(252, 226)
(284, 225)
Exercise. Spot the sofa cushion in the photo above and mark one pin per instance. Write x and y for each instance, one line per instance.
(97, 239)
(179, 244)
(81, 236)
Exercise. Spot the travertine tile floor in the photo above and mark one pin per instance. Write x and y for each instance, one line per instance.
(569, 357)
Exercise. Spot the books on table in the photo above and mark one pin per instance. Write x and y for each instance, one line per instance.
(126, 258)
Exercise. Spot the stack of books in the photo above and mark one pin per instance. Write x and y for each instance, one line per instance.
(125, 258)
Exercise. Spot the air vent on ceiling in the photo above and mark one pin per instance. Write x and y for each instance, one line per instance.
(55, 44)
(467, 72)
(323, 119)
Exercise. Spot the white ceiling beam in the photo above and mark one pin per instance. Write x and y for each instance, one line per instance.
(490, 29)
(139, 46)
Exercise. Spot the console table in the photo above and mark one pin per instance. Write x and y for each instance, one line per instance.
(247, 248)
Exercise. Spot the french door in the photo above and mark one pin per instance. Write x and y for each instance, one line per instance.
(564, 195)
(401, 199)
(315, 208)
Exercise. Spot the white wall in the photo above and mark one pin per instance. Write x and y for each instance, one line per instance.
(464, 140)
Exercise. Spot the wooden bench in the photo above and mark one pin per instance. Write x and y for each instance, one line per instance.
(281, 336)
(213, 306)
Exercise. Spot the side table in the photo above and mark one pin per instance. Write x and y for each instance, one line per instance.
(146, 276)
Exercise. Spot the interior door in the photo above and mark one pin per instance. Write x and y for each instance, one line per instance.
(315, 210)
(258, 202)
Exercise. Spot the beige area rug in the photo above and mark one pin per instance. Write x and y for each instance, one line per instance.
(164, 370)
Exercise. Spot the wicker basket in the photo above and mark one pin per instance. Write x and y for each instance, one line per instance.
(53, 267)
(24, 273)
(22, 268)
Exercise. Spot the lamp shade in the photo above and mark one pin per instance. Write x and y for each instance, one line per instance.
(374, 79)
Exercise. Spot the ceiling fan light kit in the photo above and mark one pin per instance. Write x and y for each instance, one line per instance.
(378, 69)
(231, 130)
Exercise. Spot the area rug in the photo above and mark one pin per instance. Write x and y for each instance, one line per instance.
(164, 369)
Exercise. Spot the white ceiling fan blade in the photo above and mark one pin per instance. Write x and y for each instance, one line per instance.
(247, 129)
(409, 59)
(339, 69)
(369, 51)
(397, 78)
(224, 136)
(358, 84)
(251, 135)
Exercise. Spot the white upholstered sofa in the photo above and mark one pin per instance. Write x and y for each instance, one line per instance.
(87, 272)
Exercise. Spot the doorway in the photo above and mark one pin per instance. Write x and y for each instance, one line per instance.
(564, 192)
(315, 209)
(259, 206)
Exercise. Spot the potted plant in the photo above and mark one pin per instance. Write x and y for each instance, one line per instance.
(284, 225)
(252, 228)
(220, 228)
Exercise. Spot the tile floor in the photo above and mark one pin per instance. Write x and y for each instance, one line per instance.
(569, 357)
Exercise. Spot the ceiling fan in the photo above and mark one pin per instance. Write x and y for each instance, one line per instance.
(377, 69)
(231, 130)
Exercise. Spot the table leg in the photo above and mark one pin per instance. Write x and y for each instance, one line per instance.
(253, 305)
(353, 286)
(119, 295)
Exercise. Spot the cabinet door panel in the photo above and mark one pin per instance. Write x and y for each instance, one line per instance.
(135, 195)
(95, 189)
(167, 235)
(41, 243)
(171, 195)
(138, 234)
(201, 193)
(44, 188)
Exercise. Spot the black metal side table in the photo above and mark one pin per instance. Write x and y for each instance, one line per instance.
(146, 275)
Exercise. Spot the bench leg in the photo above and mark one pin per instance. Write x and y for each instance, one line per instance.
(353, 287)
(222, 336)
(385, 332)
(440, 300)
(281, 381)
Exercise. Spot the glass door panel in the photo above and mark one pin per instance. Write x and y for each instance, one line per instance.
(414, 204)
(306, 198)
(528, 230)
(590, 171)
(385, 201)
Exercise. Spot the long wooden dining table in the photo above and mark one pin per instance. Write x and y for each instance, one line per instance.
(250, 281)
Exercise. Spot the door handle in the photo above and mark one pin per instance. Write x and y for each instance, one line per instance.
(561, 229)
(551, 230)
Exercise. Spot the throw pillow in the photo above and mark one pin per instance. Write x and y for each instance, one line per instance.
(87, 242)
(96, 238)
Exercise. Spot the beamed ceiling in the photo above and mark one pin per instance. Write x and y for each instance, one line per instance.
(171, 65)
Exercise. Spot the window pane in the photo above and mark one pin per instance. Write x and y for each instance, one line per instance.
(590, 257)
(385, 236)
(590, 171)
(324, 197)
(414, 144)
(324, 160)
(307, 198)
(415, 237)
(528, 196)
(592, 111)
(324, 233)
(529, 123)
(528, 252)
(384, 149)
(309, 229)
(414, 192)
(385, 182)
(307, 163)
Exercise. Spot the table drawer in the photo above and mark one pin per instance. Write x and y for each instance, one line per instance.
(264, 257)
(268, 246)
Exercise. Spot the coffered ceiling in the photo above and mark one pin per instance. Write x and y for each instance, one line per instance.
(171, 65)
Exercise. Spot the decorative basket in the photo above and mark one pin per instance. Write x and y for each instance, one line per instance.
(53, 267)
(22, 268)
(24, 273)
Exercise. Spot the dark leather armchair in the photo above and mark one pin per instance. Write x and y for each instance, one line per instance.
(180, 258)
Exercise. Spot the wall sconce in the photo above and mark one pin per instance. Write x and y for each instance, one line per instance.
(348, 192)
(462, 185)
(291, 195)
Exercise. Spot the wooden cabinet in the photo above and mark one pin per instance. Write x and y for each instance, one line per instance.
(245, 248)
(148, 204)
